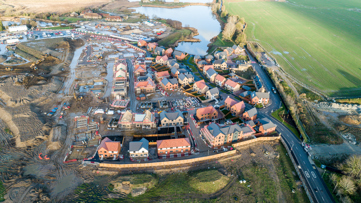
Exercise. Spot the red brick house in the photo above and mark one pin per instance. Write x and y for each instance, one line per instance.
(173, 146)
(236, 108)
(250, 115)
(207, 113)
(142, 43)
(169, 52)
(109, 149)
(140, 70)
(265, 126)
(160, 75)
(259, 98)
(151, 46)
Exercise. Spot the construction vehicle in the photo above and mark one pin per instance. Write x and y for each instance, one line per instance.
(78, 98)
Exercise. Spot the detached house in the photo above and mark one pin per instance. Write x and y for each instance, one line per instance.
(236, 108)
(160, 75)
(162, 60)
(259, 98)
(217, 136)
(151, 46)
(228, 51)
(212, 93)
(220, 64)
(265, 126)
(201, 63)
(144, 120)
(232, 86)
(220, 55)
(109, 149)
(126, 122)
(220, 80)
(173, 63)
(207, 113)
(142, 43)
(211, 74)
(140, 70)
(185, 79)
(159, 51)
(139, 149)
(250, 115)
(173, 147)
(169, 84)
(200, 87)
(196, 58)
(147, 86)
(171, 118)
(209, 58)
(169, 52)
(206, 67)
(179, 55)
(237, 49)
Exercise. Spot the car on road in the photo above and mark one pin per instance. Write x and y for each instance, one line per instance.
(274, 90)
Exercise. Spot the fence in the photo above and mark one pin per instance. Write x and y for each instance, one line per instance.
(169, 163)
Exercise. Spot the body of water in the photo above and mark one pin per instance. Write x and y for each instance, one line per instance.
(199, 17)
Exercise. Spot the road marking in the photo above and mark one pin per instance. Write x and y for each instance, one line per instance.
(307, 174)
(313, 175)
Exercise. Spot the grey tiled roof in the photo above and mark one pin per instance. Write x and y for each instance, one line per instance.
(211, 72)
(219, 61)
(173, 81)
(181, 76)
(252, 112)
(165, 81)
(171, 115)
(137, 145)
(214, 91)
(173, 70)
(177, 53)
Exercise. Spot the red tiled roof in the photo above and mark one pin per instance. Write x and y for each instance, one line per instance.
(200, 84)
(152, 44)
(139, 68)
(162, 74)
(148, 83)
(180, 142)
(206, 110)
(109, 145)
(220, 78)
(240, 105)
(231, 83)
(169, 50)
(230, 101)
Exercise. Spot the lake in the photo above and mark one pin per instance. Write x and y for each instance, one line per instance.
(199, 17)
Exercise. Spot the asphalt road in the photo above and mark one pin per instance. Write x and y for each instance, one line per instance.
(131, 85)
(314, 182)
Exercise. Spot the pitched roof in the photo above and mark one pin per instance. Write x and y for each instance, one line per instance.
(165, 81)
(140, 68)
(231, 83)
(173, 81)
(127, 116)
(264, 95)
(215, 130)
(177, 53)
(245, 94)
(234, 47)
(266, 123)
(162, 73)
(252, 112)
(164, 58)
(214, 91)
(154, 44)
(211, 72)
(197, 57)
(171, 115)
(172, 62)
(219, 61)
(209, 57)
(220, 78)
(169, 50)
(109, 145)
(247, 129)
(240, 105)
(160, 49)
(206, 110)
(230, 101)
(181, 76)
(200, 84)
(180, 142)
(206, 67)
(137, 145)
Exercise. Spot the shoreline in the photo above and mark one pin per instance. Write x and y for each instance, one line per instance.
(172, 7)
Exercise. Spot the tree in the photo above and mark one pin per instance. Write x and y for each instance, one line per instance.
(353, 166)
(347, 185)
(1, 26)
(229, 31)
(241, 39)
(232, 19)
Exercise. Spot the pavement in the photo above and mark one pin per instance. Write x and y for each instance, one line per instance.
(314, 182)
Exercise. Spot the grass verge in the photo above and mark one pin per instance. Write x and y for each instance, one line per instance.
(276, 115)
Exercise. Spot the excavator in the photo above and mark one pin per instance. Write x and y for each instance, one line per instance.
(78, 98)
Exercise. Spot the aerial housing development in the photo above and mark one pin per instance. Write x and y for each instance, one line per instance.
(140, 101)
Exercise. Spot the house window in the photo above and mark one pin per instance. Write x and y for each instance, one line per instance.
(186, 150)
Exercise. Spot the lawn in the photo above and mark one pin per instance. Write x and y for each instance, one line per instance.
(276, 115)
(71, 19)
(314, 41)
(172, 38)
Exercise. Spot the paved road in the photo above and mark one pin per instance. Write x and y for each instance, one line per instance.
(131, 92)
(314, 182)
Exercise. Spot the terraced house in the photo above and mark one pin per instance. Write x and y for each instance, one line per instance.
(173, 147)
(217, 136)
(175, 118)
(236, 108)
(260, 98)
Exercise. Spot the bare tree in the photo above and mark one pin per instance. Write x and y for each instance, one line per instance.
(229, 31)
(347, 185)
(232, 19)
(353, 166)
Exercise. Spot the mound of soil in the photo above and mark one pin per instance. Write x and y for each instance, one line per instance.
(351, 119)
(2, 58)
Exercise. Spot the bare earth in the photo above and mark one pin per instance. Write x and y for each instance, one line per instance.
(43, 6)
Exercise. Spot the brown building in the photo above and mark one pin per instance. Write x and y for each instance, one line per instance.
(114, 18)
(173, 146)
(250, 115)
(109, 149)
(92, 16)
(207, 113)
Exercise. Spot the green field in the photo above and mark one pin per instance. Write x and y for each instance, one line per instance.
(316, 41)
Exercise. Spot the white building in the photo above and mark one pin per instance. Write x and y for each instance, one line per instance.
(18, 28)
(12, 41)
